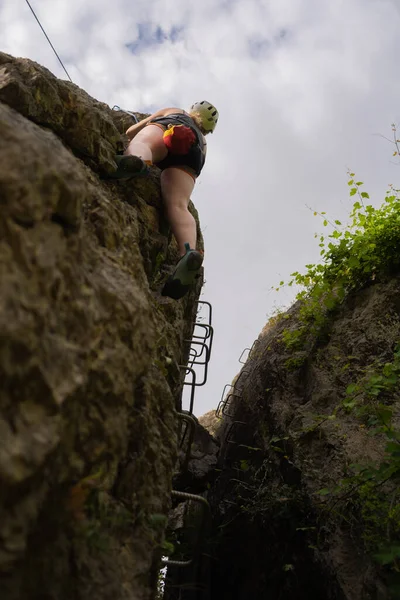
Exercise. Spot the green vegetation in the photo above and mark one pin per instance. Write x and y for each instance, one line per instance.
(368, 497)
(103, 519)
(367, 250)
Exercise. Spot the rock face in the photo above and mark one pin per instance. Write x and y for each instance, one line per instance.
(89, 350)
(307, 497)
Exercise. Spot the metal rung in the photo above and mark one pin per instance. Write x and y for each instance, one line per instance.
(219, 409)
(223, 391)
(207, 334)
(222, 402)
(191, 425)
(241, 374)
(228, 402)
(240, 357)
(209, 309)
(224, 405)
(205, 514)
(192, 384)
(197, 355)
(231, 429)
(250, 351)
(204, 348)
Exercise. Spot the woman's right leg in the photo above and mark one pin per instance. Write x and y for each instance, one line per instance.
(148, 144)
(176, 188)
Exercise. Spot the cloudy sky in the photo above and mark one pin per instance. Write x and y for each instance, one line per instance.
(303, 88)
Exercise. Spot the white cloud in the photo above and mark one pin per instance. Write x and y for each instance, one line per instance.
(295, 112)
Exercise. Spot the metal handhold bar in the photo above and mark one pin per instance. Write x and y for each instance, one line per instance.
(205, 514)
(222, 402)
(223, 391)
(243, 362)
(209, 308)
(192, 384)
(232, 426)
(209, 332)
(191, 424)
(193, 354)
(227, 403)
(205, 348)
(243, 372)
(221, 408)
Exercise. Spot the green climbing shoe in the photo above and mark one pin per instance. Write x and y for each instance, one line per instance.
(185, 274)
(128, 166)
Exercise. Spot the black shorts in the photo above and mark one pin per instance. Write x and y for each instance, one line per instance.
(194, 159)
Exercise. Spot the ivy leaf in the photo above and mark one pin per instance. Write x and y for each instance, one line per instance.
(364, 195)
(388, 555)
(385, 414)
(353, 191)
(351, 389)
(393, 448)
(329, 302)
(354, 261)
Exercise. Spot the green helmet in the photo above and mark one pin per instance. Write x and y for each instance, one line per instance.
(208, 114)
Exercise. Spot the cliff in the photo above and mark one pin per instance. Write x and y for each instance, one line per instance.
(89, 350)
(306, 503)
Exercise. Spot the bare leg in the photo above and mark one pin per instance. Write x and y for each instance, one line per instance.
(176, 185)
(148, 144)
(176, 188)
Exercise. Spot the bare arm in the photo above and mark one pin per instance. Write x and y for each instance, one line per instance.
(163, 112)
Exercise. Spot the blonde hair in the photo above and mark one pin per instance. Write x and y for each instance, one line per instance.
(196, 116)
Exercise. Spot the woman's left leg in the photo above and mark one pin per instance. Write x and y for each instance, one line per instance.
(148, 144)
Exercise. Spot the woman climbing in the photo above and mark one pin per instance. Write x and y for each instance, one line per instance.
(174, 141)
